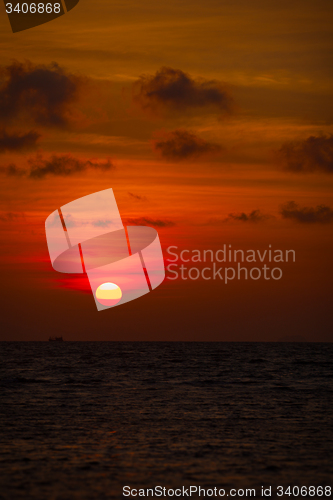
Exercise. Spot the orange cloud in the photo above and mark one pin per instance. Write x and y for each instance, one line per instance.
(181, 144)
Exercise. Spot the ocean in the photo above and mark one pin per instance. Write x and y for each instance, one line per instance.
(81, 420)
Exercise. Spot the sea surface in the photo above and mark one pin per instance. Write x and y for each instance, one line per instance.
(80, 420)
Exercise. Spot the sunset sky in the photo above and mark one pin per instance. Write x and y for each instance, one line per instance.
(211, 121)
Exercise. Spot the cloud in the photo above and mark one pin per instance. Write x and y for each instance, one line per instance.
(10, 216)
(181, 144)
(13, 171)
(307, 215)
(18, 142)
(137, 197)
(63, 165)
(310, 155)
(173, 90)
(38, 93)
(254, 216)
(146, 221)
(101, 223)
(70, 222)
(57, 165)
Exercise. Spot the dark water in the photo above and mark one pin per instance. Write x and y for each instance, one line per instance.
(82, 420)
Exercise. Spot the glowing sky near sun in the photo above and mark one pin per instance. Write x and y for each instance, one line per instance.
(207, 119)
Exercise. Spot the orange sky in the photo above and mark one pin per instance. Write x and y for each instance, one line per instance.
(198, 115)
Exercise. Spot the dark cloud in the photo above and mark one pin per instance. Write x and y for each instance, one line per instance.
(38, 93)
(313, 154)
(175, 90)
(62, 165)
(70, 222)
(254, 216)
(307, 215)
(13, 171)
(101, 223)
(146, 221)
(181, 144)
(10, 216)
(18, 142)
(137, 197)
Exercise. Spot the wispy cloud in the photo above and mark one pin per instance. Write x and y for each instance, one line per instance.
(63, 165)
(137, 197)
(11, 216)
(71, 222)
(254, 216)
(56, 165)
(311, 155)
(18, 142)
(101, 223)
(147, 221)
(13, 171)
(321, 214)
(181, 144)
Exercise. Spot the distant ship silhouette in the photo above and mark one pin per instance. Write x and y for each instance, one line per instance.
(56, 339)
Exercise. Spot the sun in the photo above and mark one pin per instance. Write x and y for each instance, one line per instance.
(108, 294)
